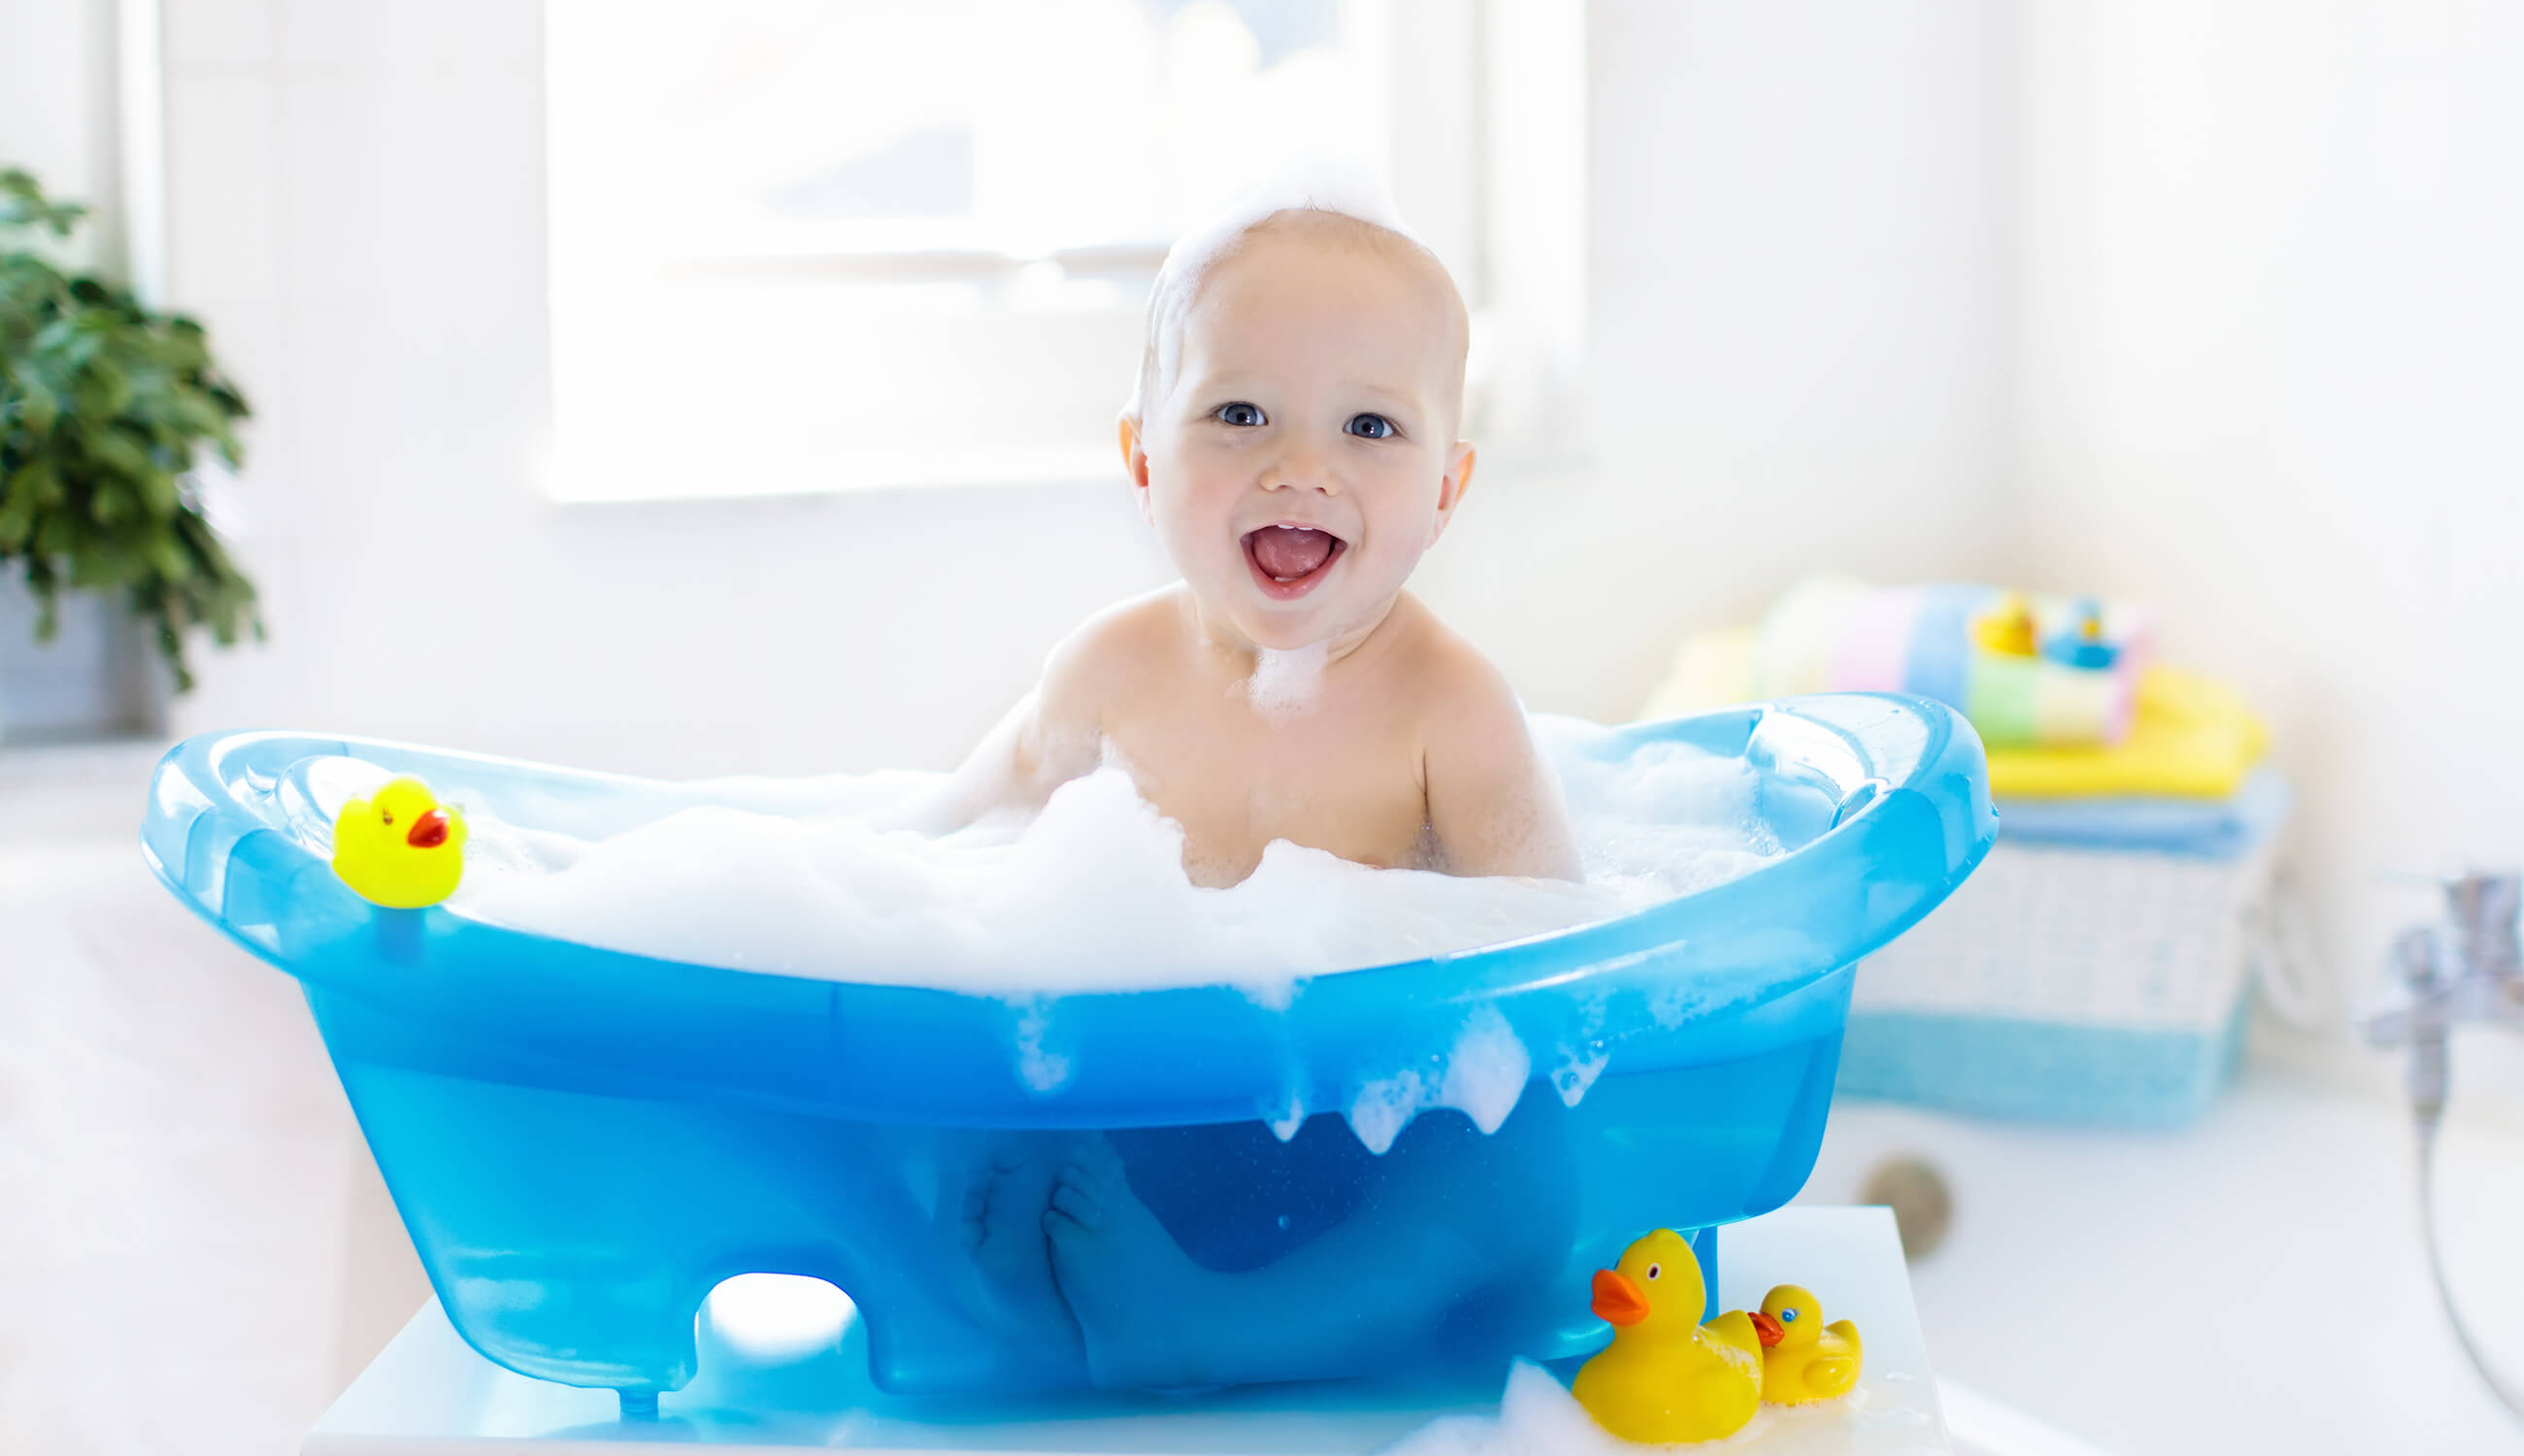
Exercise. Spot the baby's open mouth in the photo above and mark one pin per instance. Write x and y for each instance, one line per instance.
(1287, 561)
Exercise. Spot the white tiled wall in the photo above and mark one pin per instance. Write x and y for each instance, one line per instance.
(223, 190)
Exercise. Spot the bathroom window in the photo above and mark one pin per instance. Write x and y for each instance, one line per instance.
(804, 246)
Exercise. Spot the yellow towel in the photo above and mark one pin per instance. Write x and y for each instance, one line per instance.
(2191, 737)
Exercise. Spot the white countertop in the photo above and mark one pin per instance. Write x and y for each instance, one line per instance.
(782, 1365)
(2254, 1282)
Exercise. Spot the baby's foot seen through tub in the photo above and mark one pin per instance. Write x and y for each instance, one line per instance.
(998, 1219)
(1139, 1299)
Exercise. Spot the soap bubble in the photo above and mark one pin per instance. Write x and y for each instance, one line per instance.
(1284, 684)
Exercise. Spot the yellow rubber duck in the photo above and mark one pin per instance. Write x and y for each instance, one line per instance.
(400, 849)
(2007, 628)
(1667, 1377)
(1804, 1359)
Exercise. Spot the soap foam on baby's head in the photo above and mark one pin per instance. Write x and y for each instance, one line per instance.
(1337, 203)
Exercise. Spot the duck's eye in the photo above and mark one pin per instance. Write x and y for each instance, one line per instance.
(389, 813)
(1238, 414)
(1370, 426)
(1654, 1270)
(1787, 1317)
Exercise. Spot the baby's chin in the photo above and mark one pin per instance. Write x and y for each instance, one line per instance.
(1284, 636)
(1294, 627)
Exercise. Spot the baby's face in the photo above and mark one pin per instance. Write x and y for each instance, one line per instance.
(1305, 455)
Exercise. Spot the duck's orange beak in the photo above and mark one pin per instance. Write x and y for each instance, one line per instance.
(427, 832)
(1769, 1330)
(1618, 1301)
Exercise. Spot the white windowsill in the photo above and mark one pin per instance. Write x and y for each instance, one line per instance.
(592, 482)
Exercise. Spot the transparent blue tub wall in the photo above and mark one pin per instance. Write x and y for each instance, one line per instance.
(583, 1143)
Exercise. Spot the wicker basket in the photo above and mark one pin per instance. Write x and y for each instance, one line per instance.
(2067, 984)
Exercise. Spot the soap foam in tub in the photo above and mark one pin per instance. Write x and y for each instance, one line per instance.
(1090, 894)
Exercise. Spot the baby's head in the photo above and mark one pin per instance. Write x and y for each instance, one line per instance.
(1294, 435)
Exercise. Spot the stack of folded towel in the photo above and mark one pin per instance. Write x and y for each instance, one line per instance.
(2097, 968)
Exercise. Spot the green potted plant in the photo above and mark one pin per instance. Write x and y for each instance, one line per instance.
(106, 406)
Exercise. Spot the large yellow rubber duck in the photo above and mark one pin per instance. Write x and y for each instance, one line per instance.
(400, 849)
(1667, 1377)
(1805, 1360)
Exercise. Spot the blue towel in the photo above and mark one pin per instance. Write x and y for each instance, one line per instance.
(2196, 828)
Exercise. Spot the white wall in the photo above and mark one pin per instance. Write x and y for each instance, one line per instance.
(2269, 329)
(1799, 213)
(57, 106)
(1799, 334)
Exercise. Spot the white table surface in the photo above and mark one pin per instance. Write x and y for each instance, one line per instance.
(782, 1365)
(2252, 1283)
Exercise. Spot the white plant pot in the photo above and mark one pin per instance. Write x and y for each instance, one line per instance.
(99, 678)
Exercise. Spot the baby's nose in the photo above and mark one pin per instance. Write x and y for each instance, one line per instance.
(1301, 472)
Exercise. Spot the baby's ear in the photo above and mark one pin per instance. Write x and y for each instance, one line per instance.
(1450, 491)
(1134, 461)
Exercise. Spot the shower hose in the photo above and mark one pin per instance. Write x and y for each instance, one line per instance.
(2431, 1117)
(2283, 963)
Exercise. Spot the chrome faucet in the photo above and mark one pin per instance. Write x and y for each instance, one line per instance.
(2467, 968)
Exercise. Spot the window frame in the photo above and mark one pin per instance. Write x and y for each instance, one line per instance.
(1470, 65)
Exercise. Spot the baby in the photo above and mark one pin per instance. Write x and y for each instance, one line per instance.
(1293, 441)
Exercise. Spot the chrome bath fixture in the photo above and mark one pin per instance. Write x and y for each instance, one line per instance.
(2467, 968)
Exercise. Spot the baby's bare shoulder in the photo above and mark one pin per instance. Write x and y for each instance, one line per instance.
(1452, 679)
(1109, 651)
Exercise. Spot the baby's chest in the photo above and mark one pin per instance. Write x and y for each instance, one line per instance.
(1345, 787)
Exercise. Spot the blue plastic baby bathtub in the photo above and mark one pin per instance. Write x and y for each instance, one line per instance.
(582, 1143)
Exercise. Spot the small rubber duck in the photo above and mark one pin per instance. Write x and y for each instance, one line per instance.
(2007, 628)
(2081, 644)
(1804, 1359)
(400, 849)
(1667, 1377)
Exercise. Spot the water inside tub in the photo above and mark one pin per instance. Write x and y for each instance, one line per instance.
(1090, 894)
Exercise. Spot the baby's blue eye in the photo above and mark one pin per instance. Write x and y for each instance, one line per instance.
(1238, 414)
(1370, 426)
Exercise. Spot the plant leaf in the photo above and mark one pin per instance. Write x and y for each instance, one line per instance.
(104, 403)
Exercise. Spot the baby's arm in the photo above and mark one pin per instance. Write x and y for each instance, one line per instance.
(1053, 734)
(1494, 803)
